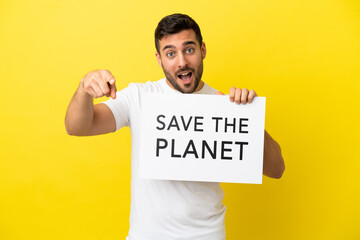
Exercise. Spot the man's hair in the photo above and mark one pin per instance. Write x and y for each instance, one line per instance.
(176, 23)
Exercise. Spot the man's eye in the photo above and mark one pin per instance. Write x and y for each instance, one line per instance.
(170, 54)
(189, 50)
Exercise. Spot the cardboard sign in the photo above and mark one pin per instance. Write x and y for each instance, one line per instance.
(201, 138)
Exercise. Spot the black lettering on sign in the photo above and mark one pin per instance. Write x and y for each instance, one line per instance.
(241, 148)
(158, 146)
(161, 122)
(173, 123)
(173, 149)
(197, 123)
(186, 126)
(217, 122)
(230, 124)
(193, 151)
(243, 125)
(223, 150)
(205, 145)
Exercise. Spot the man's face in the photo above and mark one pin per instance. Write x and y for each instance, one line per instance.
(181, 58)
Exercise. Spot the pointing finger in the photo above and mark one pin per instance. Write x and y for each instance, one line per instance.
(112, 88)
(110, 80)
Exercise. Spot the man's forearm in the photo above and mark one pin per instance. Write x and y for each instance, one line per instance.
(79, 115)
(273, 161)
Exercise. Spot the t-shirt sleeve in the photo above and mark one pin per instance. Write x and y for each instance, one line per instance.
(121, 106)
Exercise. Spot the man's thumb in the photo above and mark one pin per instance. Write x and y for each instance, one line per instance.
(219, 93)
(112, 89)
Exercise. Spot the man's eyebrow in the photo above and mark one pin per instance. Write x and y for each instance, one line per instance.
(188, 43)
(168, 46)
(184, 44)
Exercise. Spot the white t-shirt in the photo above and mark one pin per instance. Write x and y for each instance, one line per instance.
(164, 209)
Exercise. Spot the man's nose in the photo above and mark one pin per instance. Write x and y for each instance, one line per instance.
(182, 62)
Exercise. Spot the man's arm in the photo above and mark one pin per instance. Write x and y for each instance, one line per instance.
(82, 117)
(273, 165)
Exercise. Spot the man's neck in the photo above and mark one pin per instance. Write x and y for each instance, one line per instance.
(200, 86)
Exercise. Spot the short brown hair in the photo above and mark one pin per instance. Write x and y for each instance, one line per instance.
(175, 23)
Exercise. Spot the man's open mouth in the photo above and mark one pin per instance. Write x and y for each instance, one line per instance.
(185, 77)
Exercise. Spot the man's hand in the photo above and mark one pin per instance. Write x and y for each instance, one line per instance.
(273, 161)
(99, 83)
(82, 117)
(239, 95)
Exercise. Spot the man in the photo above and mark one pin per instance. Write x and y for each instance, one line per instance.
(163, 209)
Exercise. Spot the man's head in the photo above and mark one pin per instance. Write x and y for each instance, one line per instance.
(180, 52)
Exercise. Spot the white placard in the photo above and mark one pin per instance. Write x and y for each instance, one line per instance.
(201, 138)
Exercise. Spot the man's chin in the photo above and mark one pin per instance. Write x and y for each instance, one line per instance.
(188, 88)
(185, 88)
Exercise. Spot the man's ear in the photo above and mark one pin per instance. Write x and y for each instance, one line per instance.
(158, 58)
(203, 50)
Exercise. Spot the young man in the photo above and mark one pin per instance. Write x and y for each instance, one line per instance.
(163, 209)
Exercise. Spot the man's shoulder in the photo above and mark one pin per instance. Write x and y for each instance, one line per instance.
(206, 89)
(149, 86)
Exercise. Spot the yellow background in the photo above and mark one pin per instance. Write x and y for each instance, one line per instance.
(304, 56)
